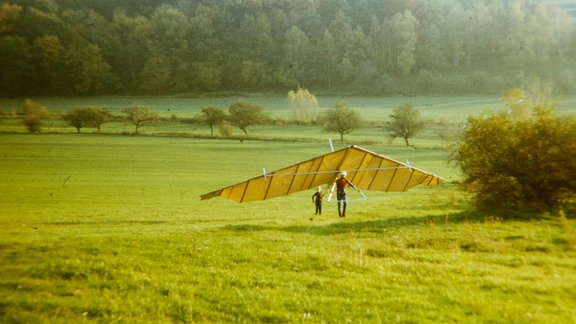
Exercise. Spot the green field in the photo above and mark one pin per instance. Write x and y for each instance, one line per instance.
(109, 228)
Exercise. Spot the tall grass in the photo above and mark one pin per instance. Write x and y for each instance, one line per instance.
(104, 228)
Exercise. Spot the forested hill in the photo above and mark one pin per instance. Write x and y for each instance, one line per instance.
(379, 47)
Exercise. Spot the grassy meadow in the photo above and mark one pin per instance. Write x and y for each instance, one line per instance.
(111, 228)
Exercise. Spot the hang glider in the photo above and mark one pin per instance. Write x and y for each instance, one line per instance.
(367, 170)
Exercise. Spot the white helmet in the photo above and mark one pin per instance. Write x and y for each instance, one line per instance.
(343, 173)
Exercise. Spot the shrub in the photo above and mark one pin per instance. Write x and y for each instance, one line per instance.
(225, 129)
(34, 113)
(521, 158)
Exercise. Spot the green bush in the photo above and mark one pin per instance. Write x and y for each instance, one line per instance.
(521, 158)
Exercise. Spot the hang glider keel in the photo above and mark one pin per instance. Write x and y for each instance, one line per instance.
(366, 169)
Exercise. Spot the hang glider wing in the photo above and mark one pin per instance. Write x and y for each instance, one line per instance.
(366, 170)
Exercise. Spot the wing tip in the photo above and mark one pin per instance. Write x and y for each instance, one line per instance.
(211, 195)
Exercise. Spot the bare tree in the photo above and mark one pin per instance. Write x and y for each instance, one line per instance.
(139, 115)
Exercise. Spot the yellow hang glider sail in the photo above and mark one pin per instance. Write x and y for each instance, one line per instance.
(365, 169)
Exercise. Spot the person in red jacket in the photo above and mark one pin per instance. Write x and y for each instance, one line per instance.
(341, 183)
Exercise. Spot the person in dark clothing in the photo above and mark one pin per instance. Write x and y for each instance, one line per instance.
(317, 199)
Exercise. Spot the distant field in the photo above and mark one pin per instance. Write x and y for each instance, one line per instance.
(110, 228)
(374, 110)
(371, 108)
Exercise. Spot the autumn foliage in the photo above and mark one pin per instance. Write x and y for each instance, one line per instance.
(519, 158)
(34, 113)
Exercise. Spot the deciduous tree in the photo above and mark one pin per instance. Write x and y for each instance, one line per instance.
(78, 118)
(340, 33)
(405, 33)
(139, 115)
(406, 122)
(297, 56)
(213, 116)
(17, 65)
(101, 116)
(89, 72)
(341, 119)
(128, 51)
(48, 52)
(243, 114)
(303, 104)
(10, 15)
(167, 68)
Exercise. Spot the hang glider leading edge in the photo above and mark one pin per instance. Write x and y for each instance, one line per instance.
(366, 169)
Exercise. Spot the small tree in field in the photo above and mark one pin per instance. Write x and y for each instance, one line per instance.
(303, 104)
(78, 118)
(407, 121)
(100, 117)
(88, 117)
(213, 116)
(243, 114)
(341, 119)
(519, 160)
(34, 113)
(139, 115)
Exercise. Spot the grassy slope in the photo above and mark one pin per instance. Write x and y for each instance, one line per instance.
(111, 228)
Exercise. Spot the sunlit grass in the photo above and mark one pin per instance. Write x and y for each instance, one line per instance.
(111, 228)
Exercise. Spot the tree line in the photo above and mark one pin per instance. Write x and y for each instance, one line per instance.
(378, 47)
(406, 120)
(241, 114)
